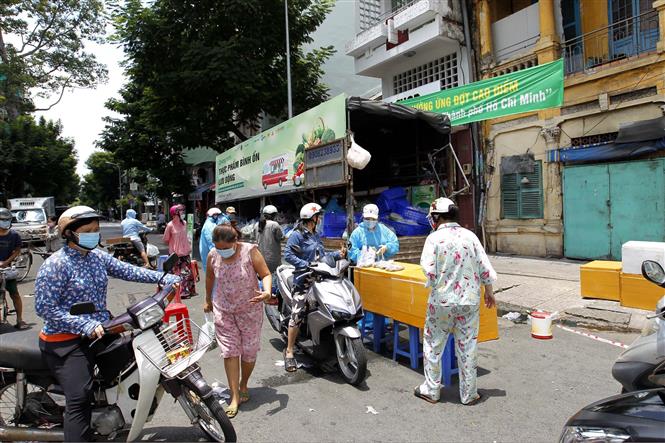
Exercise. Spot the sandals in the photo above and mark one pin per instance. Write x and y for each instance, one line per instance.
(476, 401)
(231, 411)
(21, 326)
(423, 396)
(290, 364)
(244, 397)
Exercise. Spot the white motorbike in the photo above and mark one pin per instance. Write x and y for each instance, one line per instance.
(139, 359)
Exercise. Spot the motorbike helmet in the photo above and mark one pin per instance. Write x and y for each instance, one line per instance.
(213, 211)
(74, 216)
(441, 206)
(131, 213)
(6, 216)
(174, 209)
(270, 209)
(310, 210)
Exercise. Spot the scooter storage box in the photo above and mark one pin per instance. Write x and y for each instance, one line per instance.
(601, 279)
(633, 253)
(638, 292)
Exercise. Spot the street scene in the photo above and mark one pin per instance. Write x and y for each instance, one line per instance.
(332, 220)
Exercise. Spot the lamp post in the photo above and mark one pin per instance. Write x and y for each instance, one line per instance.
(119, 186)
(288, 59)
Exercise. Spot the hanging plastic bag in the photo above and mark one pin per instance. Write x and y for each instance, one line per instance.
(208, 329)
(367, 257)
(357, 156)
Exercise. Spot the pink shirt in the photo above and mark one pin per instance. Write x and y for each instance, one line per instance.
(176, 237)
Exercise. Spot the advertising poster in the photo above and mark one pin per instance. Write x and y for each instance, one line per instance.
(273, 161)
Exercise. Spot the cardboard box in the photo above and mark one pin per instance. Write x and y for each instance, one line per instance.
(638, 292)
(633, 253)
(601, 279)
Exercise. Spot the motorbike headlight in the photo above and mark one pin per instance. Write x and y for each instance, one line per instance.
(651, 327)
(341, 316)
(150, 316)
(573, 434)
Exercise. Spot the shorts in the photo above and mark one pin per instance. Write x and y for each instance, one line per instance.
(239, 333)
(138, 245)
(10, 286)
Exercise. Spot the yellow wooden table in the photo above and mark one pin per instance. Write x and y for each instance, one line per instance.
(403, 297)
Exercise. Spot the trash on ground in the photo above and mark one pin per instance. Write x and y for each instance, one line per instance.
(512, 316)
(371, 410)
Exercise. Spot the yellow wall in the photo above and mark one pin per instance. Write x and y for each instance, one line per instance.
(503, 8)
(593, 15)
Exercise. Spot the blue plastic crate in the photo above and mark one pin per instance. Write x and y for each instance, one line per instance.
(333, 231)
(334, 218)
(407, 229)
(394, 193)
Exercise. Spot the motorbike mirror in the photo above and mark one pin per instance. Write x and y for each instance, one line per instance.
(653, 272)
(170, 263)
(85, 307)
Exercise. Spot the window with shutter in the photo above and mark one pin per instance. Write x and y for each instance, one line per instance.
(522, 194)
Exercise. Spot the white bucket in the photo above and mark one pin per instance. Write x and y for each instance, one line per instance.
(541, 324)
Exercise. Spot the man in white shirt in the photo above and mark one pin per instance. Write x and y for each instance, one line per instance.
(455, 264)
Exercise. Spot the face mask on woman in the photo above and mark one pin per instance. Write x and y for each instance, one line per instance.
(5, 224)
(319, 225)
(371, 224)
(88, 240)
(182, 216)
(226, 253)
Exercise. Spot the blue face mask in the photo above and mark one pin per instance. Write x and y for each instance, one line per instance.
(5, 224)
(226, 253)
(88, 240)
(371, 224)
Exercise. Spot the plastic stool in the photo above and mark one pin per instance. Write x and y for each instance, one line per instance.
(377, 329)
(413, 352)
(449, 362)
(179, 311)
(366, 324)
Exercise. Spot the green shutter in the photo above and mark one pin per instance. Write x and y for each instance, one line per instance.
(522, 200)
(510, 196)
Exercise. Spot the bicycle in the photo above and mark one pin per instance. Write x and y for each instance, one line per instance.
(5, 273)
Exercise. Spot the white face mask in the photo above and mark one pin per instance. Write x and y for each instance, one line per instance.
(371, 224)
(183, 216)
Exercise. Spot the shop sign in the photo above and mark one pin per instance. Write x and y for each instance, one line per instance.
(530, 89)
(273, 161)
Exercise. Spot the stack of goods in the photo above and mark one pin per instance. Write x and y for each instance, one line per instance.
(334, 224)
(399, 214)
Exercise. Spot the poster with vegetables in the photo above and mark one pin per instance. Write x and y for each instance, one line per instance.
(273, 161)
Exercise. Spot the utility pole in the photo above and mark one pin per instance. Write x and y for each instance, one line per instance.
(288, 58)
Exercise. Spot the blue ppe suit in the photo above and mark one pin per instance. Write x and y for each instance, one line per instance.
(380, 236)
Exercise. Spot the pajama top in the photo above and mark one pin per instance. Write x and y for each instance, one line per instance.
(455, 264)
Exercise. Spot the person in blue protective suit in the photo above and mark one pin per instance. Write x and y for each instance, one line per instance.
(131, 228)
(302, 248)
(214, 217)
(373, 234)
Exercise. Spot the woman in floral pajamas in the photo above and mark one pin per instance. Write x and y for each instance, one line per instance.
(455, 264)
(232, 293)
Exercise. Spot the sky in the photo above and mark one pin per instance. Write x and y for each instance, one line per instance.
(81, 110)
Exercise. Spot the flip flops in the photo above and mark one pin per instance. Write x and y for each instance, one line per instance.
(290, 364)
(21, 326)
(231, 411)
(244, 397)
(423, 396)
(475, 401)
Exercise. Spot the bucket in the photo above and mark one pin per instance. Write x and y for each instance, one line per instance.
(541, 324)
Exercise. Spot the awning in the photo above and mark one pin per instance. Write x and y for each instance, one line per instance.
(376, 123)
(605, 151)
(644, 130)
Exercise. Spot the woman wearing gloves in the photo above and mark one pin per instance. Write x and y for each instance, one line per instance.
(78, 273)
(214, 218)
(371, 233)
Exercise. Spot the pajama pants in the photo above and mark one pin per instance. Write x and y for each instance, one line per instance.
(239, 333)
(462, 322)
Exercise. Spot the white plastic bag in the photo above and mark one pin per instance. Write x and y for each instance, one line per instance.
(356, 156)
(367, 257)
(208, 329)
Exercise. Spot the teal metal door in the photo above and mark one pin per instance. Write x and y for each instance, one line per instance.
(637, 190)
(586, 211)
(607, 205)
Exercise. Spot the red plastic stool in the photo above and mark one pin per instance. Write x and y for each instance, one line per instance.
(179, 311)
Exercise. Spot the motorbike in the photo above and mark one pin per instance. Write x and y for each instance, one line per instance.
(638, 415)
(329, 331)
(139, 359)
(635, 365)
(5, 273)
(124, 250)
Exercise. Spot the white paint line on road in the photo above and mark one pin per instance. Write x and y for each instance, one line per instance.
(594, 337)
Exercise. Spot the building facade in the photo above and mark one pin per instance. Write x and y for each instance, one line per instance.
(580, 180)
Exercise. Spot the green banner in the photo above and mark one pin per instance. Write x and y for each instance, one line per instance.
(530, 89)
(273, 161)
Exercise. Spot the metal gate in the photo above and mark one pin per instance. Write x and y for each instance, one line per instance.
(607, 205)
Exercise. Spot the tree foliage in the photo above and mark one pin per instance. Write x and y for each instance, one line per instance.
(201, 72)
(48, 54)
(37, 160)
(99, 188)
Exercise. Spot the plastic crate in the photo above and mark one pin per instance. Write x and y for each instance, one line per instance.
(407, 229)
(394, 193)
(334, 218)
(409, 212)
(333, 231)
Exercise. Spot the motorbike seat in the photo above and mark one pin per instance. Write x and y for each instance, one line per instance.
(20, 349)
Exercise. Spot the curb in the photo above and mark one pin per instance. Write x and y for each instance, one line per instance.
(570, 320)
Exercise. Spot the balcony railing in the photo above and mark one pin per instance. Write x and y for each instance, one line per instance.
(620, 40)
(386, 15)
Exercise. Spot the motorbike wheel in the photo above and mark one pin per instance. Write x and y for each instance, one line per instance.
(212, 417)
(23, 263)
(8, 413)
(352, 359)
(272, 313)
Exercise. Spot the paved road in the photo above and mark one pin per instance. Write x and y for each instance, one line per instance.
(532, 388)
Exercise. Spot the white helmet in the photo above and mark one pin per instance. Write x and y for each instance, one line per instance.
(270, 209)
(441, 206)
(310, 210)
(73, 214)
(371, 211)
(213, 211)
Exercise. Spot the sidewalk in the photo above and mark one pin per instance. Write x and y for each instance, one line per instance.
(526, 284)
